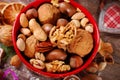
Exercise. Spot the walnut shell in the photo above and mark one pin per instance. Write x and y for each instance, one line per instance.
(6, 35)
(48, 13)
(30, 46)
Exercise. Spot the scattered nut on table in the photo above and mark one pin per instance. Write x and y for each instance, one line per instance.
(15, 61)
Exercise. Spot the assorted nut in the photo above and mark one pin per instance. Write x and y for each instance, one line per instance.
(55, 37)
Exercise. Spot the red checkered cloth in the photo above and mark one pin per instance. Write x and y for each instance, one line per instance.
(112, 17)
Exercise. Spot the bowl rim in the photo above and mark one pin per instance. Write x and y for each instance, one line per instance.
(35, 4)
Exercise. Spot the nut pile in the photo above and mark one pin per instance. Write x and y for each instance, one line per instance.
(55, 37)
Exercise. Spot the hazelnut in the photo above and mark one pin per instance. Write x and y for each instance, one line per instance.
(76, 61)
(92, 68)
(56, 54)
(62, 22)
(67, 8)
(15, 61)
(47, 27)
(31, 13)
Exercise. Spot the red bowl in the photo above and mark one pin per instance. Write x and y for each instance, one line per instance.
(89, 58)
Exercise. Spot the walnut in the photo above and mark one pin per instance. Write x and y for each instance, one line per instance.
(82, 44)
(57, 66)
(30, 46)
(6, 35)
(40, 56)
(37, 63)
(63, 68)
(63, 35)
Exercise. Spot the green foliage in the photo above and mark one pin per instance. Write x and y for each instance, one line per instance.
(9, 52)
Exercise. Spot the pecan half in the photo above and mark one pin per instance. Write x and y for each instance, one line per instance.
(44, 46)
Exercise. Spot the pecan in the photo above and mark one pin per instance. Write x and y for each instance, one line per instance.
(44, 46)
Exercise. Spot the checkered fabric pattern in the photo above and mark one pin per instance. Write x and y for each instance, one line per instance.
(112, 17)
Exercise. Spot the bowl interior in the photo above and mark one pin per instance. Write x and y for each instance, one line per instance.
(87, 59)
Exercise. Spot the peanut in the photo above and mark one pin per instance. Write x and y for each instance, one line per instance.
(38, 32)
